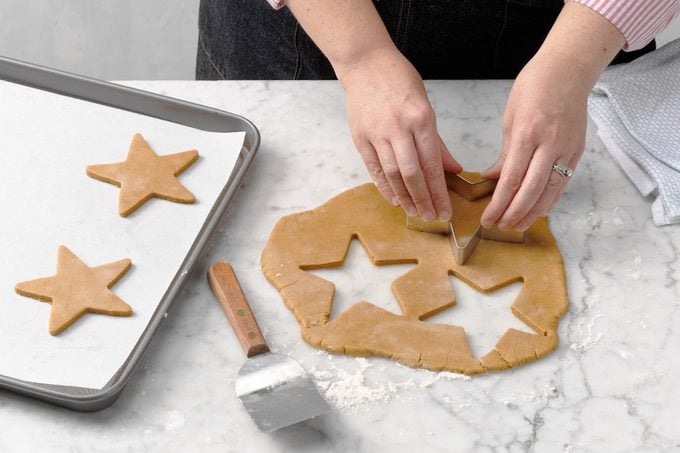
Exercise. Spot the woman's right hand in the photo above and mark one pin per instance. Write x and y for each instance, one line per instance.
(394, 129)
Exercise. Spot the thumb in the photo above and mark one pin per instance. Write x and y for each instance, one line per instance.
(450, 164)
(494, 171)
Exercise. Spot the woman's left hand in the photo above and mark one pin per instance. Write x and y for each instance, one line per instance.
(545, 119)
(544, 124)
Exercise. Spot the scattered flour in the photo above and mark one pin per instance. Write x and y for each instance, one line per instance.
(621, 216)
(174, 421)
(349, 391)
(634, 273)
(585, 337)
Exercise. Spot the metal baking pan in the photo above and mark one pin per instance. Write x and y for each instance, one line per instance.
(157, 106)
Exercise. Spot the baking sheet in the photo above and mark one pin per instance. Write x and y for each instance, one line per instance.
(47, 141)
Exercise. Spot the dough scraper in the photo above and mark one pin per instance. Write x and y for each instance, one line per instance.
(275, 389)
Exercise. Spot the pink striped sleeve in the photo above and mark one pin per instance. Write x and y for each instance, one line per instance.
(277, 4)
(638, 20)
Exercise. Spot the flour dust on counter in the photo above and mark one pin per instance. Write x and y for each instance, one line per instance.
(351, 384)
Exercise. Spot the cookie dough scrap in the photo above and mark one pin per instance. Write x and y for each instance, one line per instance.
(77, 289)
(144, 175)
(321, 237)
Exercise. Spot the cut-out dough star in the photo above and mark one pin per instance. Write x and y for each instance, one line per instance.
(77, 289)
(144, 174)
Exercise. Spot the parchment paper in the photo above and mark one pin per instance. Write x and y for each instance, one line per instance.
(46, 142)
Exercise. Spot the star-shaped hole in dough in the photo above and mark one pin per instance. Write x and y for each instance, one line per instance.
(144, 175)
(485, 316)
(357, 279)
(77, 289)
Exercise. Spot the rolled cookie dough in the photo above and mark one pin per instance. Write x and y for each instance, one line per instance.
(321, 237)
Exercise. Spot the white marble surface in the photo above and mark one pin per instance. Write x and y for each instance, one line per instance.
(610, 386)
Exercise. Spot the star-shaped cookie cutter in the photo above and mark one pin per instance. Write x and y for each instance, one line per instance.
(470, 187)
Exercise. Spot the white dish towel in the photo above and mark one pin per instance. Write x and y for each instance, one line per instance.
(636, 107)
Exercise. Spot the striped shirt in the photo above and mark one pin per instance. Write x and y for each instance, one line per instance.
(638, 20)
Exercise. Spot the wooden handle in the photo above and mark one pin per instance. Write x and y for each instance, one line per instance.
(225, 285)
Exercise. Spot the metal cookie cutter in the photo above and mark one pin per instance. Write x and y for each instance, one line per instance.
(471, 187)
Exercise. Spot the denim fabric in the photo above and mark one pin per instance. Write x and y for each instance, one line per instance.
(444, 39)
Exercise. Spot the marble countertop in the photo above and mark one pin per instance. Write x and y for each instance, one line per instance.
(610, 386)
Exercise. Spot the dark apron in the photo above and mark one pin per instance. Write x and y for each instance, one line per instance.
(443, 39)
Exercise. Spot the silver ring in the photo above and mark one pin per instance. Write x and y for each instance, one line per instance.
(562, 170)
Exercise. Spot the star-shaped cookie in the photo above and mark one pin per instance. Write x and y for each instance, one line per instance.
(77, 289)
(144, 174)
